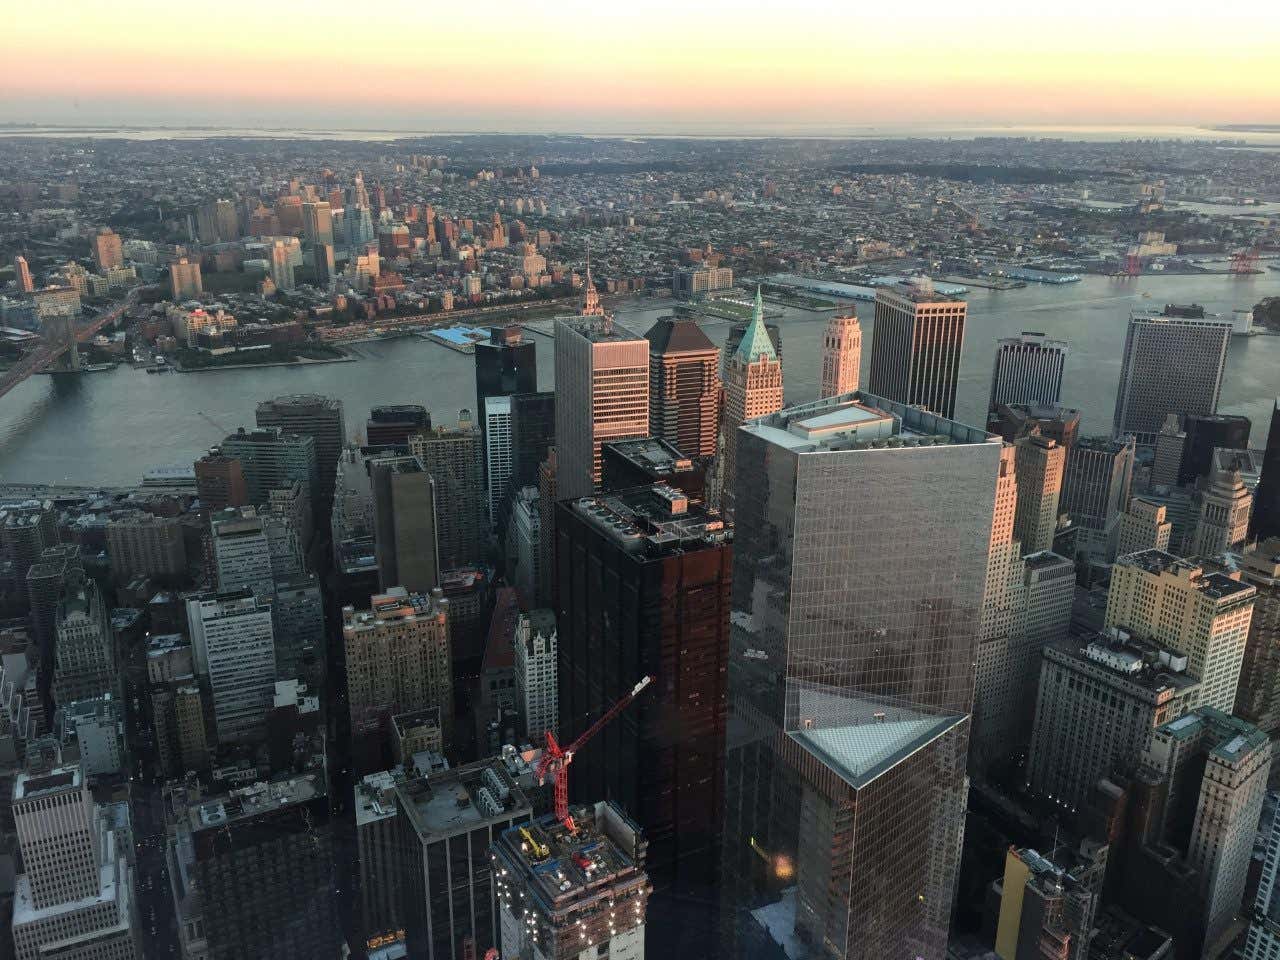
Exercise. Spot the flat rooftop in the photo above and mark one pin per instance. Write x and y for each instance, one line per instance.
(28, 785)
(460, 800)
(601, 330)
(396, 604)
(657, 519)
(1131, 659)
(255, 800)
(653, 455)
(1232, 737)
(1217, 586)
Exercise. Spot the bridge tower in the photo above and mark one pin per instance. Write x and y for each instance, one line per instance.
(60, 331)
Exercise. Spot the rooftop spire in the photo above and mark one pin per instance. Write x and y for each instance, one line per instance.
(756, 342)
(591, 304)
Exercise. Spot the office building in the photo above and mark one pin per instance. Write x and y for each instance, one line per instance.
(734, 339)
(1169, 446)
(22, 275)
(1173, 363)
(915, 346)
(233, 649)
(241, 551)
(1215, 767)
(1096, 481)
(1204, 434)
(378, 851)
(107, 250)
(643, 590)
(323, 265)
(537, 680)
(270, 459)
(85, 649)
(45, 581)
(75, 896)
(1144, 526)
(498, 455)
(144, 544)
(697, 281)
(454, 459)
(542, 916)
(184, 280)
(317, 417)
(1263, 939)
(524, 545)
(1265, 522)
(533, 434)
(1258, 693)
(392, 425)
(317, 222)
(684, 386)
(649, 460)
(1028, 370)
(263, 865)
(602, 394)
(506, 364)
(1099, 700)
(752, 388)
(547, 528)
(1225, 505)
(1048, 907)
(1014, 421)
(1202, 616)
(398, 660)
(1041, 463)
(92, 731)
(414, 733)
(845, 774)
(841, 355)
(220, 481)
(404, 524)
(297, 622)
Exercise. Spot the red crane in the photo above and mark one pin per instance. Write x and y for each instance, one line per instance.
(556, 760)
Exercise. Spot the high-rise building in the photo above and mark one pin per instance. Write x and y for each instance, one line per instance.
(1173, 363)
(96, 728)
(684, 386)
(393, 425)
(1258, 694)
(1266, 502)
(506, 364)
(734, 339)
(524, 545)
(45, 581)
(1041, 463)
(1263, 939)
(567, 918)
(241, 551)
(851, 672)
(1215, 767)
(320, 418)
(75, 896)
(22, 275)
(271, 459)
(537, 680)
(107, 250)
(643, 590)
(217, 222)
(915, 346)
(602, 394)
(498, 455)
(533, 433)
(696, 281)
(233, 648)
(297, 619)
(1202, 616)
(1047, 907)
(841, 355)
(85, 650)
(1225, 506)
(1206, 433)
(454, 459)
(1017, 420)
(1169, 445)
(323, 265)
(398, 659)
(404, 524)
(281, 266)
(263, 867)
(752, 388)
(1144, 526)
(1028, 370)
(1095, 487)
(547, 528)
(185, 282)
(317, 222)
(143, 543)
(1099, 700)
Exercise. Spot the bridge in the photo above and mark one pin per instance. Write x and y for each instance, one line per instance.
(61, 338)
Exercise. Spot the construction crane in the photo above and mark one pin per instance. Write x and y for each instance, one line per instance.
(214, 423)
(555, 760)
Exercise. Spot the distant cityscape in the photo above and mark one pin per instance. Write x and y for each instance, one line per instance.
(631, 648)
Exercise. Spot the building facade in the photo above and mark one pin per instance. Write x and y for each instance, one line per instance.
(841, 355)
(1028, 370)
(915, 346)
(233, 649)
(684, 386)
(752, 388)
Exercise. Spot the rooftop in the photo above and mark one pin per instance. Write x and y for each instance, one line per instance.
(1216, 586)
(254, 800)
(396, 604)
(671, 335)
(653, 456)
(1232, 737)
(1131, 659)
(32, 784)
(657, 520)
(920, 290)
(599, 329)
(457, 801)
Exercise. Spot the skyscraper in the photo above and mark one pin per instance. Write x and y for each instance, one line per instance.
(404, 524)
(1095, 487)
(22, 275)
(454, 459)
(684, 386)
(1028, 370)
(107, 250)
(506, 363)
(317, 223)
(1144, 526)
(1258, 694)
(1206, 433)
(85, 652)
(392, 425)
(643, 579)
(915, 346)
(498, 456)
(533, 434)
(1041, 463)
(318, 417)
(233, 649)
(185, 282)
(271, 459)
(1202, 616)
(1173, 363)
(1263, 940)
(241, 551)
(851, 669)
(142, 543)
(281, 266)
(537, 681)
(1225, 505)
(220, 481)
(752, 388)
(602, 393)
(841, 355)
(1265, 522)
(1050, 904)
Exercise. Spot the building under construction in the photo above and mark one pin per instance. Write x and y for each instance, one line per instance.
(563, 892)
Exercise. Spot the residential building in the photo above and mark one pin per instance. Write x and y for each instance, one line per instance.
(697, 281)
(602, 394)
(404, 524)
(233, 650)
(317, 223)
(1202, 616)
(752, 388)
(144, 544)
(22, 275)
(915, 346)
(107, 249)
(454, 459)
(841, 355)
(537, 680)
(1041, 464)
(185, 282)
(1173, 362)
(684, 386)
(1028, 370)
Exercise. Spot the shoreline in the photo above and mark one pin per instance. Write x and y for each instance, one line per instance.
(300, 362)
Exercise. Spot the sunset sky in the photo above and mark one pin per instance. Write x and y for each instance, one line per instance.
(595, 66)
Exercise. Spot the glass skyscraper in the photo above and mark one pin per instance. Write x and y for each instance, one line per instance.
(862, 539)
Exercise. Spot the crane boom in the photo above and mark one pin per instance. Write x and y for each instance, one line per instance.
(609, 714)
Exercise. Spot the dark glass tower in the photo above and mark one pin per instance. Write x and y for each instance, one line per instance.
(1266, 499)
(507, 364)
(533, 433)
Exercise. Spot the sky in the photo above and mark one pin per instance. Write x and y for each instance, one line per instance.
(647, 66)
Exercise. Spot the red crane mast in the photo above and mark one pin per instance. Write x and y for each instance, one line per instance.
(556, 759)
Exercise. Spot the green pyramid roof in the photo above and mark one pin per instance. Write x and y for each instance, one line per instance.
(756, 342)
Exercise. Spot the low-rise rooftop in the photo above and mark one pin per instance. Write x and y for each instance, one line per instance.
(254, 800)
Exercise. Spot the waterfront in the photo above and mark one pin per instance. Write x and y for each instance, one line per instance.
(110, 427)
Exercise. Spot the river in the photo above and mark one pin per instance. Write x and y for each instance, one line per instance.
(109, 427)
